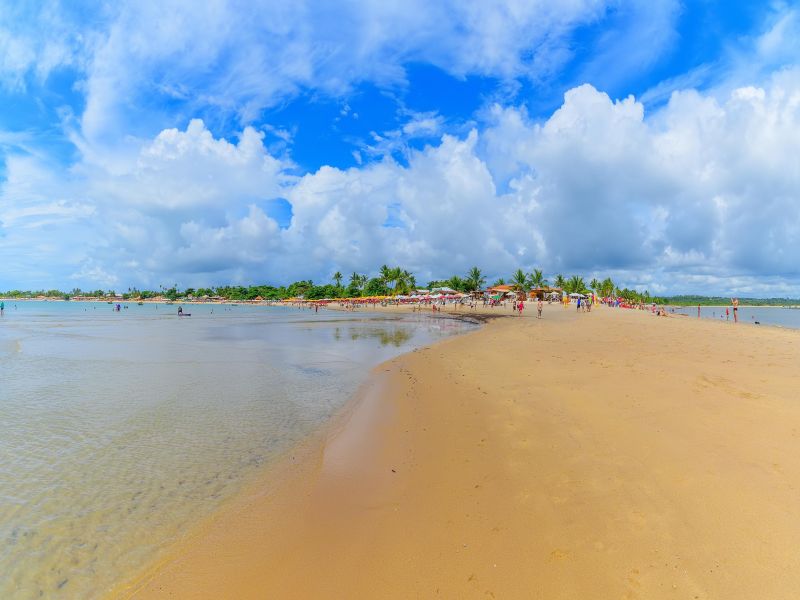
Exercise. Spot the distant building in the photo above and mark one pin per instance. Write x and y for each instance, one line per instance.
(543, 293)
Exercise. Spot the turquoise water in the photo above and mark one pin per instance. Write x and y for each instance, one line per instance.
(780, 317)
(121, 429)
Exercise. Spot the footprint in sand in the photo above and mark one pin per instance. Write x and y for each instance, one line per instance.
(559, 555)
(634, 585)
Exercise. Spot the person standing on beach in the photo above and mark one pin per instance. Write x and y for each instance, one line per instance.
(539, 309)
(698, 311)
(735, 302)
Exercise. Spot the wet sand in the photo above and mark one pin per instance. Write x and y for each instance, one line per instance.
(605, 455)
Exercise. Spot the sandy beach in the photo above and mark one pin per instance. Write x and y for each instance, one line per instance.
(604, 455)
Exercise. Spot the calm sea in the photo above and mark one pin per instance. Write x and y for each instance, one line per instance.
(122, 429)
(771, 315)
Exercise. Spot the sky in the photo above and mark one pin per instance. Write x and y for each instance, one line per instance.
(167, 142)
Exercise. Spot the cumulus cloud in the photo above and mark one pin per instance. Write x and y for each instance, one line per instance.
(703, 186)
(704, 183)
(187, 202)
(192, 169)
(699, 194)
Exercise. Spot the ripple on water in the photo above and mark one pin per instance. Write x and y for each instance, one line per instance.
(121, 431)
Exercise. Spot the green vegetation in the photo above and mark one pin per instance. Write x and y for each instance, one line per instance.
(689, 300)
(395, 281)
(536, 279)
(474, 280)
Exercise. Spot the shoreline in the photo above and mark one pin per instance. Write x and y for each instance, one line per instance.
(294, 304)
(481, 470)
(295, 463)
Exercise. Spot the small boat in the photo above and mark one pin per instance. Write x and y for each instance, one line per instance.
(139, 303)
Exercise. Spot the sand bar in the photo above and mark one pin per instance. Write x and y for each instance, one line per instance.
(603, 455)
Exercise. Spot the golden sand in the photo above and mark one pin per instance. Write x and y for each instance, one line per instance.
(605, 455)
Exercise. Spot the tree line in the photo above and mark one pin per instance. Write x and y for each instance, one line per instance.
(390, 281)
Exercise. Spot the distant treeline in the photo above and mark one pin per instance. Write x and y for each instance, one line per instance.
(688, 300)
(390, 281)
(396, 280)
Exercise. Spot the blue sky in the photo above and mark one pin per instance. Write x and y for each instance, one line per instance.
(152, 142)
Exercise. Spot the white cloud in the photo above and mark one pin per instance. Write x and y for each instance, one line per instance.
(94, 274)
(185, 197)
(241, 60)
(37, 38)
(704, 188)
(701, 188)
(698, 189)
(643, 31)
(396, 142)
(751, 59)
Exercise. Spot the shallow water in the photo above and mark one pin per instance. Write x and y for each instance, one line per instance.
(765, 315)
(121, 429)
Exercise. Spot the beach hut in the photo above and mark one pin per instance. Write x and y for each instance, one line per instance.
(543, 293)
(504, 291)
(500, 289)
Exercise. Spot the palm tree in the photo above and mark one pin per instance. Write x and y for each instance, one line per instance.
(475, 279)
(500, 281)
(337, 278)
(355, 279)
(519, 280)
(607, 287)
(395, 275)
(404, 281)
(456, 283)
(408, 280)
(385, 274)
(575, 285)
(536, 279)
(560, 282)
(595, 285)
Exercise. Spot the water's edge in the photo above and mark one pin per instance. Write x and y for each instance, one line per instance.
(299, 459)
